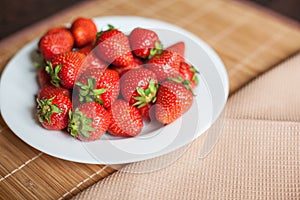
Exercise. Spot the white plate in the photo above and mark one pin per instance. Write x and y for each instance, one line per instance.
(19, 87)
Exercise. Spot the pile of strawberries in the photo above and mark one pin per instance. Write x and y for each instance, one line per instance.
(93, 82)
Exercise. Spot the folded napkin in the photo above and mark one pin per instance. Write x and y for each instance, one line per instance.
(257, 154)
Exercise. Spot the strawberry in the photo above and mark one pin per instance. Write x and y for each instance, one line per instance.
(113, 47)
(53, 111)
(43, 78)
(165, 65)
(56, 30)
(84, 31)
(145, 112)
(88, 122)
(86, 49)
(52, 90)
(137, 63)
(144, 43)
(189, 73)
(125, 119)
(99, 85)
(139, 87)
(91, 62)
(178, 48)
(55, 41)
(172, 101)
(64, 68)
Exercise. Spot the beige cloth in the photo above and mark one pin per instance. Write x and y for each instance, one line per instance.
(257, 155)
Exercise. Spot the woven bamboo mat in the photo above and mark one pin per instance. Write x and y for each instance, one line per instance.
(248, 40)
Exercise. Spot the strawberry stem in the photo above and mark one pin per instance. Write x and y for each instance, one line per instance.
(46, 108)
(195, 77)
(87, 93)
(156, 50)
(147, 95)
(53, 73)
(80, 124)
(187, 84)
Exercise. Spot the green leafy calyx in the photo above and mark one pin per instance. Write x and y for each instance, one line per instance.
(156, 50)
(187, 84)
(46, 108)
(80, 124)
(147, 95)
(88, 93)
(195, 77)
(53, 73)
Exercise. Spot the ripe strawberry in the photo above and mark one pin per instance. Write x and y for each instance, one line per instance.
(88, 122)
(173, 100)
(53, 111)
(99, 85)
(144, 43)
(86, 49)
(52, 90)
(56, 30)
(64, 68)
(165, 65)
(113, 47)
(56, 41)
(139, 87)
(178, 48)
(137, 63)
(84, 31)
(43, 78)
(125, 119)
(145, 112)
(91, 62)
(189, 73)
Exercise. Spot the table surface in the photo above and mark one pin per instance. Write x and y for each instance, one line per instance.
(248, 39)
(11, 21)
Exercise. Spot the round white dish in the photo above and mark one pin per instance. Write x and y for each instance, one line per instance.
(19, 87)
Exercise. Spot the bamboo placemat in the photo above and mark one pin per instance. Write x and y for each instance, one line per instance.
(248, 40)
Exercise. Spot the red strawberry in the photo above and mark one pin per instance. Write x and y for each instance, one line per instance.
(84, 31)
(88, 122)
(165, 65)
(125, 119)
(53, 111)
(189, 73)
(52, 90)
(99, 85)
(43, 78)
(56, 30)
(86, 49)
(144, 43)
(64, 68)
(172, 101)
(137, 63)
(91, 62)
(145, 112)
(113, 47)
(139, 87)
(178, 48)
(56, 41)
